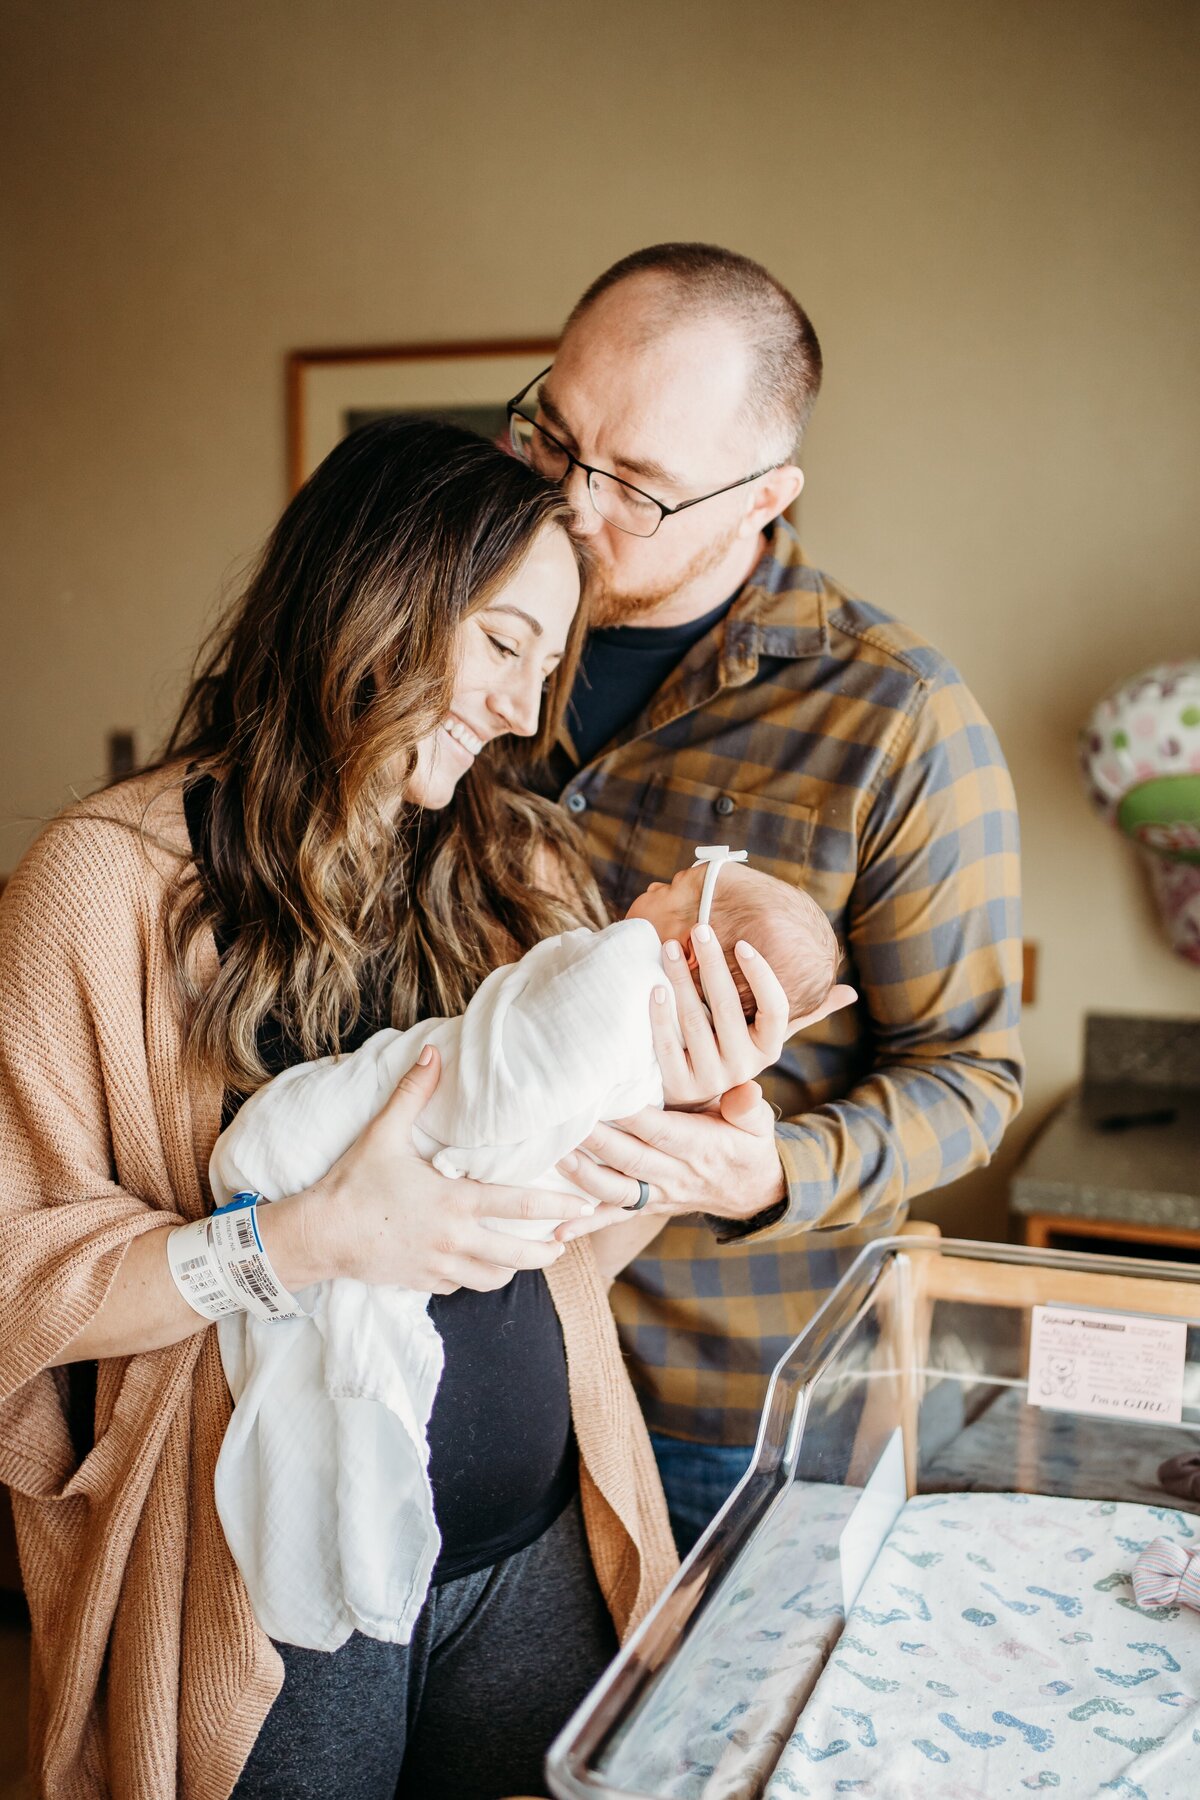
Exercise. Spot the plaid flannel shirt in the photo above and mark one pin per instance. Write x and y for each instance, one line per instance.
(847, 756)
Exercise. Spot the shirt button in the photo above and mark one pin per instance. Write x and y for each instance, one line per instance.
(576, 803)
(724, 805)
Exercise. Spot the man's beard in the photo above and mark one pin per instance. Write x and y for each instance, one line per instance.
(610, 605)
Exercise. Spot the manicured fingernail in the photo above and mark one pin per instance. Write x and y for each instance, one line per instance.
(672, 950)
(660, 994)
(569, 1161)
(746, 951)
(701, 934)
(426, 1057)
(565, 1236)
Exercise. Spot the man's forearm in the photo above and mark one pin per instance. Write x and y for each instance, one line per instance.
(904, 1130)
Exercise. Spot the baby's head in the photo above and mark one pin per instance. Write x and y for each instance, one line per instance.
(782, 923)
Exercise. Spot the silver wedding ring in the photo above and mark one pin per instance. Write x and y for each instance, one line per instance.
(643, 1196)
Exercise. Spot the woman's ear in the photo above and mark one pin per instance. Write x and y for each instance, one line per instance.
(690, 957)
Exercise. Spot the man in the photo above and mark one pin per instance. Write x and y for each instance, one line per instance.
(732, 693)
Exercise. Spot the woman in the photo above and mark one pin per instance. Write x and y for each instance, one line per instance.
(330, 844)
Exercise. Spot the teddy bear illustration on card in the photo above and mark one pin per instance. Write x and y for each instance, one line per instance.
(1059, 1376)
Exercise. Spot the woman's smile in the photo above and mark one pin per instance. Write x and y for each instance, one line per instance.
(462, 738)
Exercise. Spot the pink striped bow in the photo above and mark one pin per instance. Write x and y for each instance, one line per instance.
(1165, 1575)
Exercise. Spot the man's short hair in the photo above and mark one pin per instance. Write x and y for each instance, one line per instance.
(703, 279)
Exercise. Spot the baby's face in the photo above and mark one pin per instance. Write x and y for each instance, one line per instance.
(671, 907)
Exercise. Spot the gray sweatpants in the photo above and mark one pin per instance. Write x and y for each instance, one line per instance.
(466, 1711)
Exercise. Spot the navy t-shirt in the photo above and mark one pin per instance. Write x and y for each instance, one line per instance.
(502, 1456)
(621, 670)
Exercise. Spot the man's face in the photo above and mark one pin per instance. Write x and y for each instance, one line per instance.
(663, 409)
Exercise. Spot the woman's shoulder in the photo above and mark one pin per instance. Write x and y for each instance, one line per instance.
(152, 804)
(127, 840)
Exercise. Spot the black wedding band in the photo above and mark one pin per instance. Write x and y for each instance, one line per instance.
(643, 1196)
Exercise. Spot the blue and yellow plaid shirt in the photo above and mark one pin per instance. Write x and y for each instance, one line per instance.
(847, 757)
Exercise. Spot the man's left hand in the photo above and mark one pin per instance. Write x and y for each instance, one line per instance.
(724, 1163)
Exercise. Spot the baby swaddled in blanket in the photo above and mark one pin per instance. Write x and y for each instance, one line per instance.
(322, 1484)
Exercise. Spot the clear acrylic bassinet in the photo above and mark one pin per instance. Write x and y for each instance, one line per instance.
(913, 1381)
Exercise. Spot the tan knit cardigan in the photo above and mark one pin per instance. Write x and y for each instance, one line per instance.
(151, 1676)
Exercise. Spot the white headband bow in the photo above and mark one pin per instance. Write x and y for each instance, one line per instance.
(716, 856)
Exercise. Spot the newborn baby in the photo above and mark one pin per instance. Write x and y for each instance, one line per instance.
(321, 1484)
(784, 924)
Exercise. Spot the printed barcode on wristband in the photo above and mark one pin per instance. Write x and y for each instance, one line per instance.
(230, 1271)
(253, 1275)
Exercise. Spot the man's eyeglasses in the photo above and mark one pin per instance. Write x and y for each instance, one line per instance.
(618, 502)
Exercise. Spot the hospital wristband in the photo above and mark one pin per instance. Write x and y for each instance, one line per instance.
(220, 1266)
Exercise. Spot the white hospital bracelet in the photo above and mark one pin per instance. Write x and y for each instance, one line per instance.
(220, 1266)
(197, 1273)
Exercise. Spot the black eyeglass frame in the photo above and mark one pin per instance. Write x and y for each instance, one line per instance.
(573, 462)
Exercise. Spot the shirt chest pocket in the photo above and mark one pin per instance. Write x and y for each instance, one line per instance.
(676, 815)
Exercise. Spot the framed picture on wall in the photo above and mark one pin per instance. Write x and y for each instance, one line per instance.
(331, 392)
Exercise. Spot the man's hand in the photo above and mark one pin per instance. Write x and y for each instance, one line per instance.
(724, 1163)
(721, 1161)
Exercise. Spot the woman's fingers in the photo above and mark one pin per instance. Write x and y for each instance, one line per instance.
(466, 1272)
(699, 1043)
(668, 1045)
(496, 1249)
(602, 1217)
(485, 1202)
(769, 1027)
(728, 1035)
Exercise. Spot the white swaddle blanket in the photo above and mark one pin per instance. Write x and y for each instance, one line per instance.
(322, 1484)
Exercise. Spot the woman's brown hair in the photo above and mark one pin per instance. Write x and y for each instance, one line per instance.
(307, 707)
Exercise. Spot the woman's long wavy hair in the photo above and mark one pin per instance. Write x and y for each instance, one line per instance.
(307, 706)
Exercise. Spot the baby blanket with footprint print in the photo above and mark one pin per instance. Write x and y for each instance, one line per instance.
(726, 1702)
(996, 1648)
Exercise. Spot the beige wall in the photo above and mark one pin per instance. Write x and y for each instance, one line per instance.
(991, 213)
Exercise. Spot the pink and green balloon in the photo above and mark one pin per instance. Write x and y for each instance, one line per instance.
(1140, 753)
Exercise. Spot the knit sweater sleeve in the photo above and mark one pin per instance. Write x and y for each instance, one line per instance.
(85, 1063)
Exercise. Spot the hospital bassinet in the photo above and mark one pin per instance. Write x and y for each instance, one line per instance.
(922, 1586)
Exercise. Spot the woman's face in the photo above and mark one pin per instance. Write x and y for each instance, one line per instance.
(506, 650)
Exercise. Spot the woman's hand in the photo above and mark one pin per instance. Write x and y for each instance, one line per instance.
(382, 1215)
(714, 1058)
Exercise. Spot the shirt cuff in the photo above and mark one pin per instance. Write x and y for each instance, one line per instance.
(735, 1231)
(800, 1207)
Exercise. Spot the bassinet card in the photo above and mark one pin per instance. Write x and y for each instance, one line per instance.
(1113, 1365)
